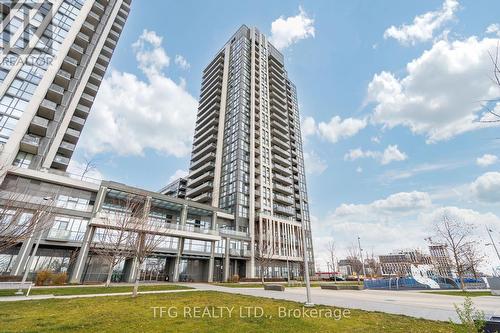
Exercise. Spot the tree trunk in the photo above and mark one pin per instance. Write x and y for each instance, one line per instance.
(110, 273)
(136, 283)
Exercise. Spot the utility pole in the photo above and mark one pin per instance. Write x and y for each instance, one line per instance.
(493, 242)
(361, 254)
(309, 302)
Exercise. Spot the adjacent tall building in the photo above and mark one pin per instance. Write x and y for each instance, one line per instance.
(247, 153)
(53, 55)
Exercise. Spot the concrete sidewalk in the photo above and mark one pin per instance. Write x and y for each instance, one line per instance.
(413, 304)
(41, 297)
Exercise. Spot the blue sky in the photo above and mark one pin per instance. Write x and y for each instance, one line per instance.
(389, 94)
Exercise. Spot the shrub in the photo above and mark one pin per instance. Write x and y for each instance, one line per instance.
(59, 278)
(43, 278)
(235, 278)
(471, 319)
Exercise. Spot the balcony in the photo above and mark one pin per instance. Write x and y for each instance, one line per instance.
(55, 93)
(70, 65)
(99, 69)
(234, 233)
(199, 189)
(279, 159)
(82, 111)
(66, 149)
(91, 89)
(280, 151)
(59, 235)
(281, 169)
(76, 51)
(283, 199)
(106, 50)
(282, 179)
(203, 168)
(93, 18)
(203, 198)
(103, 60)
(289, 211)
(98, 8)
(82, 39)
(30, 143)
(206, 158)
(204, 177)
(39, 125)
(47, 109)
(111, 43)
(208, 148)
(60, 162)
(62, 78)
(88, 28)
(77, 123)
(95, 78)
(86, 99)
(287, 190)
(202, 144)
(72, 135)
(113, 35)
(279, 134)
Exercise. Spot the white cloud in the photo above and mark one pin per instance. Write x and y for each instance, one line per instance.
(486, 160)
(131, 115)
(313, 163)
(288, 31)
(423, 26)
(375, 139)
(308, 127)
(337, 128)
(493, 29)
(440, 95)
(486, 187)
(397, 174)
(390, 154)
(181, 62)
(149, 53)
(179, 173)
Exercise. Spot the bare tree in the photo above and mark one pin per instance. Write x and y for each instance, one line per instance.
(89, 166)
(113, 242)
(354, 261)
(263, 257)
(373, 265)
(331, 253)
(147, 240)
(473, 259)
(22, 216)
(456, 234)
(495, 59)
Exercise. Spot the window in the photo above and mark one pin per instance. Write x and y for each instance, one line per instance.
(23, 160)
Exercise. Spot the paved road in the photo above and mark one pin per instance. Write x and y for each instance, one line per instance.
(410, 303)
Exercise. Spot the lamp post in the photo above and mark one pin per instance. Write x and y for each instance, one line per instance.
(492, 242)
(361, 254)
(37, 244)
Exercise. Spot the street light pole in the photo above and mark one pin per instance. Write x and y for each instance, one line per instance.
(493, 242)
(361, 254)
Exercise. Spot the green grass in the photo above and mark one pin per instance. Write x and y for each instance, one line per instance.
(460, 293)
(127, 314)
(93, 290)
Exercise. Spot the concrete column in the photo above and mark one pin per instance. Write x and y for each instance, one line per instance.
(226, 261)
(22, 256)
(211, 263)
(213, 226)
(130, 270)
(76, 275)
(177, 261)
(184, 213)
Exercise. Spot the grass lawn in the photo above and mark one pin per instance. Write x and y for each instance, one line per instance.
(93, 290)
(460, 293)
(126, 314)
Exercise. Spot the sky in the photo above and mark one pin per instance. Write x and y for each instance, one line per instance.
(391, 96)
